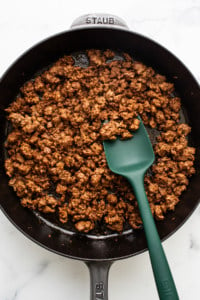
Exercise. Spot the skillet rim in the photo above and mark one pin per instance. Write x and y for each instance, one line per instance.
(13, 64)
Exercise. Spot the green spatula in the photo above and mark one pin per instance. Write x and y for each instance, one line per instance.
(131, 159)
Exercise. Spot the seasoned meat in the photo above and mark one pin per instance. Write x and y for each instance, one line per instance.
(56, 161)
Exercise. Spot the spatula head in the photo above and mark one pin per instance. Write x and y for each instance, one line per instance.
(133, 155)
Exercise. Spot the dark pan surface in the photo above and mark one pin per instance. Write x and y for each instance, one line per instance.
(45, 230)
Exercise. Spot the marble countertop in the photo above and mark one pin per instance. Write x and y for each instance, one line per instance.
(29, 272)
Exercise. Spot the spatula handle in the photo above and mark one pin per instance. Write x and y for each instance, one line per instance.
(162, 274)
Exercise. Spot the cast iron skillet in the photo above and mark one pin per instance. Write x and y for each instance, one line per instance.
(98, 251)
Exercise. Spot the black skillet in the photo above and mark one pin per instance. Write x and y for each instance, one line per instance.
(96, 250)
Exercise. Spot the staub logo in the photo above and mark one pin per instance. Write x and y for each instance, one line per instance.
(100, 20)
(99, 290)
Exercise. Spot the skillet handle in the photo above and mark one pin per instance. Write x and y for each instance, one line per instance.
(99, 279)
(99, 20)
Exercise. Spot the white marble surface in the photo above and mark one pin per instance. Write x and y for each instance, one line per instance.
(27, 271)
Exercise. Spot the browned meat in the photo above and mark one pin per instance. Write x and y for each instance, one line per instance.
(56, 160)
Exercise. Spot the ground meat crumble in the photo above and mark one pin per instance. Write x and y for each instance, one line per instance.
(56, 160)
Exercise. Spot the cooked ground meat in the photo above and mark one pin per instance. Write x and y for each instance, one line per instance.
(56, 160)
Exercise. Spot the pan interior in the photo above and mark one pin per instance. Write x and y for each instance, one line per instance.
(100, 231)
